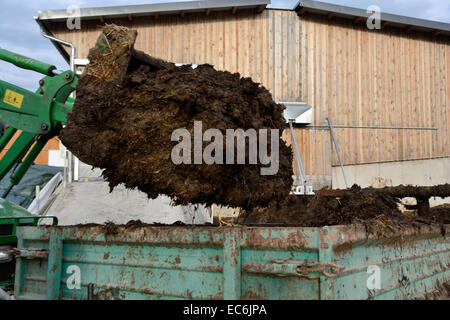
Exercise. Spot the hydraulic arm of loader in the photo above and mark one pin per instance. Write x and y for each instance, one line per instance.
(38, 115)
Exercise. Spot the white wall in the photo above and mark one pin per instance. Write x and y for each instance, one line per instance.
(416, 172)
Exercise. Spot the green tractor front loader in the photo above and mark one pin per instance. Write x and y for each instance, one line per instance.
(38, 116)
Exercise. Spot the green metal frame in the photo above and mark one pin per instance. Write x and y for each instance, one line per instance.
(39, 115)
(16, 222)
(26, 63)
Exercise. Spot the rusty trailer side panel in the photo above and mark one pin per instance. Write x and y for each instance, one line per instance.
(149, 262)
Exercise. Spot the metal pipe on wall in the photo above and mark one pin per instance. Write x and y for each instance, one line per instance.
(337, 150)
(67, 172)
(325, 127)
(301, 170)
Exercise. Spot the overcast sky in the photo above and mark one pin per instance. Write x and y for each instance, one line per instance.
(20, 33)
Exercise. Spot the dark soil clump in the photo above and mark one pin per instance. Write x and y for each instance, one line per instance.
(351, 206)
(321, 210)
(110, 228)
(128, 105)
(441, 213)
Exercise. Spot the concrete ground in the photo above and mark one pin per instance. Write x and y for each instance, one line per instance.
(91, 202)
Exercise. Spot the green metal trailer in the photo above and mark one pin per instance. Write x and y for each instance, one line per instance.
(12, 216)
(264, 262)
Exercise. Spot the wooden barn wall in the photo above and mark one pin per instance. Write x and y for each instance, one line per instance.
(384, 78)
